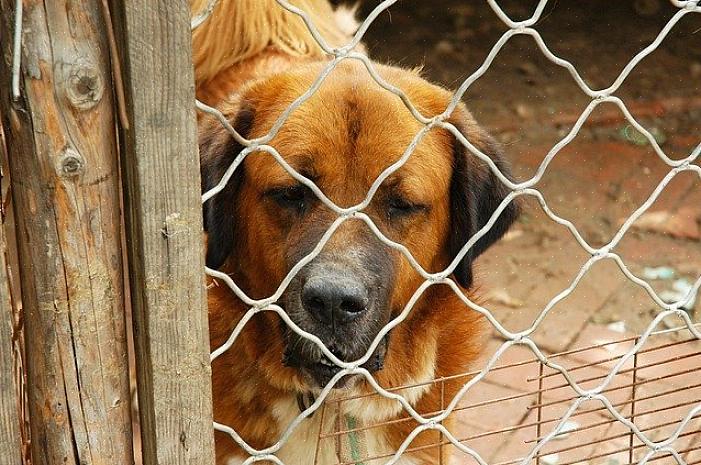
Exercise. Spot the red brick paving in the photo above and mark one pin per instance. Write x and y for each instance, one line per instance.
(660, 403)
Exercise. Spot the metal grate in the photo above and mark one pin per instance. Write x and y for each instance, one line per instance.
(582, 441)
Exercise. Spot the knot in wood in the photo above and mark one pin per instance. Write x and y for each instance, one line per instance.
(70, 164)
(85, 86)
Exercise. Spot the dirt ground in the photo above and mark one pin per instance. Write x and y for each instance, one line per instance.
(597, 181)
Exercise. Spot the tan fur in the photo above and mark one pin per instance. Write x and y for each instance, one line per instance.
(241, 29)
(249, 54)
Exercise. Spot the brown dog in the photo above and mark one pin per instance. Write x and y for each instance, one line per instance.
(265, 221)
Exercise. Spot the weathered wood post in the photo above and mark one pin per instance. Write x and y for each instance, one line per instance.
(65, 185)
(164, 231)
(10, 446)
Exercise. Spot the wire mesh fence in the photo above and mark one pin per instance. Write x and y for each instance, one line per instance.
(594, 393)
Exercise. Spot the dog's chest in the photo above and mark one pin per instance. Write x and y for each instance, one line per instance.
(313, 443)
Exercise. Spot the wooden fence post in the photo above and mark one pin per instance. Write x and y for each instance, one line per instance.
(164, 231)
(10, 446)
(65, 187)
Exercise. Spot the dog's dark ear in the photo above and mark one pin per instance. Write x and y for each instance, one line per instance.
(475, 193)
(218, 149)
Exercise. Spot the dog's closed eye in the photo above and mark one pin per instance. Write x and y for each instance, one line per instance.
(399, 207)
(296, 197)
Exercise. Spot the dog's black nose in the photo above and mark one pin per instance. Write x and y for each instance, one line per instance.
(334, 300)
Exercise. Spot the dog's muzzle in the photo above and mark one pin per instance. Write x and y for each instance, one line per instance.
(342, 297)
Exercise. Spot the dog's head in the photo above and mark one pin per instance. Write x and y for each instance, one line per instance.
(351, 130)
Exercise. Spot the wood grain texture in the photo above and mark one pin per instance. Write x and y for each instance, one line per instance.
(10, 446)
(63, 164)
(164, 232)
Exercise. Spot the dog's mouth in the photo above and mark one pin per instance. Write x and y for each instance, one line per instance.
(324, 371)
(320, 370)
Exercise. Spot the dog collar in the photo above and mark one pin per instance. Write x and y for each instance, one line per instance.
(304, 401)
(353, 444)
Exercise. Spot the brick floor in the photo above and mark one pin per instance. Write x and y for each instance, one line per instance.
(507, 430)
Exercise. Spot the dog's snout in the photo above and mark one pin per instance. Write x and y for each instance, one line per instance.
(334, 300)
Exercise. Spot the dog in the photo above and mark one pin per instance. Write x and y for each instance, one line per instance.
(252, 60)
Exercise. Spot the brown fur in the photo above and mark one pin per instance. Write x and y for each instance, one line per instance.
(348, 133)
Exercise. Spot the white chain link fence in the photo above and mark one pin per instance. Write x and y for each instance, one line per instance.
(525, 188)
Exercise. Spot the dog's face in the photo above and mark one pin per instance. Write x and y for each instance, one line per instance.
(343, 138)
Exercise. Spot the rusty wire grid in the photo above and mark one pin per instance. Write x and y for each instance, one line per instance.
(583, 438)
(602, 388)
